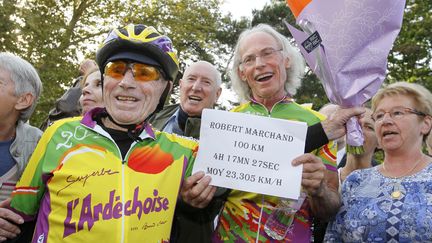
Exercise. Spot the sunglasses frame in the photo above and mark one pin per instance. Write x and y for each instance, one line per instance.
(131, 66)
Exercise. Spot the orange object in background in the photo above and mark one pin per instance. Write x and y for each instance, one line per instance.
(297, 6)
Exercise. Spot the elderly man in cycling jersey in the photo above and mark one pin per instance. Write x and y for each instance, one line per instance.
(109, 175)
(266, 73)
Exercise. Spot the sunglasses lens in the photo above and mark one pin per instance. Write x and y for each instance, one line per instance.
(115, 69)
(145, 73)
(141, 72)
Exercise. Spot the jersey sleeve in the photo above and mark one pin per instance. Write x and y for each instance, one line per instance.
(328, 151)
(328, 155)
(191, 161)
(30, 188)
(315, 137)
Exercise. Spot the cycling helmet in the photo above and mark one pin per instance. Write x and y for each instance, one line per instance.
(139, 43)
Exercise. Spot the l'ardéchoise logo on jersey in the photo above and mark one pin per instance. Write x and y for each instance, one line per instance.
(146, 159)
(113, 208)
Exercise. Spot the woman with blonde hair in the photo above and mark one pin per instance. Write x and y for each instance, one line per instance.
(391, 202)
(91, 86)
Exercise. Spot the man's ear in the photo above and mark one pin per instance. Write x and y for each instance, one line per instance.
(287, 62)
(170, 86)
(218, 93)
(24, 101)
(241, 74)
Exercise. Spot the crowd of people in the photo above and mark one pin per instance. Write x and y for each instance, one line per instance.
(117, 164)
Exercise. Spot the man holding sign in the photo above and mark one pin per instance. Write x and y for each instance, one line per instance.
(199, 89)
(266, 73)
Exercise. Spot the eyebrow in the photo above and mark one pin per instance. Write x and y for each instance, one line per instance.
(195, 76)
(264, 49)
(401, 107)
(368, 124)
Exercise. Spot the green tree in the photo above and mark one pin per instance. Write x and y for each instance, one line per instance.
(50, 34)
(8, 27)
(274, 14)
(55, 34)
(201, 34)
(193, 26)
(410, 59)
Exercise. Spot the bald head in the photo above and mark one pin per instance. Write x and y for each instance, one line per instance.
(199, 87)
(209, 69)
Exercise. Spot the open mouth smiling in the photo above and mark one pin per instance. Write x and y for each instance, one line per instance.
(126, 98)
(263, 77)
(194, 98)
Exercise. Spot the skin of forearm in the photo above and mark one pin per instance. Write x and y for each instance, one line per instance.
(331, 131)
(326, 202)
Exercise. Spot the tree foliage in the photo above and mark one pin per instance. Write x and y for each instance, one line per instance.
(55, 35)
(8, 26)
(191, 25)
(51, 35)
(411, 57)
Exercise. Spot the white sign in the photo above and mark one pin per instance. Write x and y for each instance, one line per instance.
(251, 153)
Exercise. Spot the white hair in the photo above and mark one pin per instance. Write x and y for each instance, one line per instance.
(25, 78)
(294, 73)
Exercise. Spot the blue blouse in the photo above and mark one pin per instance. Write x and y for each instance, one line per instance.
(370, 214)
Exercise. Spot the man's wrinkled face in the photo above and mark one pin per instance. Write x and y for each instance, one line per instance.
(199, 88)
(129, 97)
(8, 98)
(263, 66)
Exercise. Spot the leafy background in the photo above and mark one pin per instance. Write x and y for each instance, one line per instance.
(55, 35)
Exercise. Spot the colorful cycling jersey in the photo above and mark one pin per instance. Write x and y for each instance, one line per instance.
(245, 214)
(84, 191)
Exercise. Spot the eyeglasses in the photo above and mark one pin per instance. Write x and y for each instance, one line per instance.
(141, 72)
(265, 55)
(396, 113)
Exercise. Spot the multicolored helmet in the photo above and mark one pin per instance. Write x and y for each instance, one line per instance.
(139, 43)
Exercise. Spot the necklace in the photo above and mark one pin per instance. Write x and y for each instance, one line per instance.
(396, 194)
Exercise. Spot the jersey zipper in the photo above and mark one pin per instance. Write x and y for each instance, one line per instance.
(123, 202)
(124, 163)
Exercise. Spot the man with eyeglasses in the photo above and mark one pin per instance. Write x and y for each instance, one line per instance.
(109, 175)
(266, 73)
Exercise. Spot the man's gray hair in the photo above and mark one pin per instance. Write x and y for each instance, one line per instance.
(25, 78)
(294, 73)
